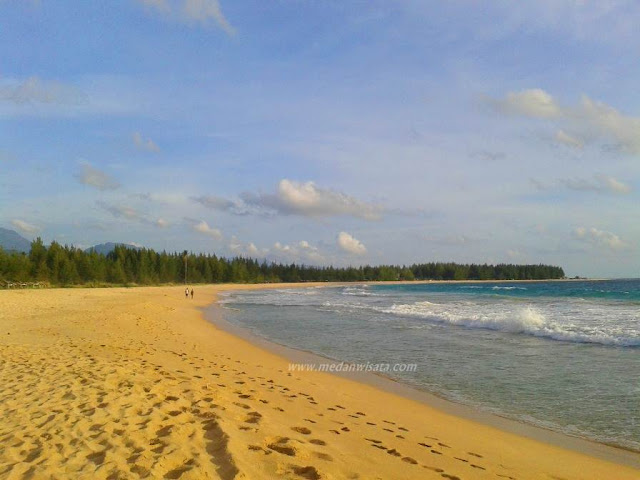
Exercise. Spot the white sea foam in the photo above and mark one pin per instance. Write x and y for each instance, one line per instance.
(360, 291)
(516, 319)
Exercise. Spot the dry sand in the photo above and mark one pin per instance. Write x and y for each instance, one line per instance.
(134, 383)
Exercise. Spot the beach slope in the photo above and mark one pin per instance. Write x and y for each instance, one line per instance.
(134, 383)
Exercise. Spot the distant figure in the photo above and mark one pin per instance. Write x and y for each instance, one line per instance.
(192, 294)
(186, 292)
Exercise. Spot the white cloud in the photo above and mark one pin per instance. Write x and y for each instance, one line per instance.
(252, 249)
(237, 207)
(599, 238)
(144, 143)
(594, 119)
(307, 199)
(192, 11)
(133, 215)
(600, 183)
(350, 244)
(531, 103)
(96, 178)
(301, 252)
(562, 137)
(33, 90)
(205, 229)
(24, 226)
(246, 250)
(123, 211)
(608, 122)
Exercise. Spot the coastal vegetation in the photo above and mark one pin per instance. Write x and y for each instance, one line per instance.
(65, 265)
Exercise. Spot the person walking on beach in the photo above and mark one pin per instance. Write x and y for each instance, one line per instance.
(186, 292)
(191, 293)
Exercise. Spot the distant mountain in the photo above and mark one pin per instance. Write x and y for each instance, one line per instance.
(12, 240)
(106, 248)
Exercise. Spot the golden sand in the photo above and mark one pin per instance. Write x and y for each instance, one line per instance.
(134, 383)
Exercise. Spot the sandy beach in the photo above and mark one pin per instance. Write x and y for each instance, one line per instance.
(136, 383)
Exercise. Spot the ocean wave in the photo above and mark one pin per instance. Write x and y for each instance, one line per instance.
(524, 320)
(360, 291)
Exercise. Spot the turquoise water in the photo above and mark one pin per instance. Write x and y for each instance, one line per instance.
(563, 355)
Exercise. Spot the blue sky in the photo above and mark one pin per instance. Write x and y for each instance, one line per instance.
(343, 132)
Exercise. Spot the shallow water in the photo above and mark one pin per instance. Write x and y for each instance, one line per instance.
(563, 355)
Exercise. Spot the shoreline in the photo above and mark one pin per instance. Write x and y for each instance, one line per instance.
(613, 453)
(136, 383)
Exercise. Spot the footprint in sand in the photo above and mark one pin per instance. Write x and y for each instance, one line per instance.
(310, 473)
(280, 445)
(450, 477)
(302, 430)
(253, 417)
(323, 456)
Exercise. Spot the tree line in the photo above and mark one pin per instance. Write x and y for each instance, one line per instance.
(65, 265)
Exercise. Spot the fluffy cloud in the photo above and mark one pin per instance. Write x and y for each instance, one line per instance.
(122, 211)
(594, 119)
(246, 250)
(562, 137)
(93, 177)
(144, 143)
(300, 252)
(24, 226)
(599, 238)
(33, 90)
(350, 244)
(610, 123)
(215, 202)
(309, 200)
(204, 228)
(192, 11)
(600, 184)
(531, 103)
(129, 213)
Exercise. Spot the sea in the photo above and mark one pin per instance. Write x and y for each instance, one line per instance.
(562, 355)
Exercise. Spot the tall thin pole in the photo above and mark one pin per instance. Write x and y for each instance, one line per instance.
(185, 267)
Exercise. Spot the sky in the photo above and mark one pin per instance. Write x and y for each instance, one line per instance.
(327, 132)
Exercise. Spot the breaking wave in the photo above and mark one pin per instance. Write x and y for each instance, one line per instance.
(525, 320)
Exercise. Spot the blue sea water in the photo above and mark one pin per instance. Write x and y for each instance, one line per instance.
(562, 355)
